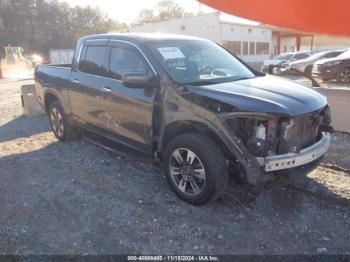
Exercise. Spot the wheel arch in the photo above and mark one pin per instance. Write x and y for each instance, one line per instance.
(308, 67)
(49, 97)
(181, 127)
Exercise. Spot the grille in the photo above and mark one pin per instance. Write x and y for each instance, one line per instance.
(301, 134)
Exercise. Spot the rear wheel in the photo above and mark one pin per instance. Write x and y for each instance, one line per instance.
(195, 168)
(59, 123)
(343, 75)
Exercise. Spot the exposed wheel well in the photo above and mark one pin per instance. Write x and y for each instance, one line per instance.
(183, 127)
(309, 67)
(49, 98)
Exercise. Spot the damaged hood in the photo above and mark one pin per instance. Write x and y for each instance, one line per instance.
(268, 94)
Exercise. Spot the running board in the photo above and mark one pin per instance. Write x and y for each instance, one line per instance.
(117, 148)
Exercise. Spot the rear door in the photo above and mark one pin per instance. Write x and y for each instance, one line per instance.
(87, 95)
(130, 108)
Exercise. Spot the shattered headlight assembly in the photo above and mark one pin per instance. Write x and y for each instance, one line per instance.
(257, 142)
(253, 132)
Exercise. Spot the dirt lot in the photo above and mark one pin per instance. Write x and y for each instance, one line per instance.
(76, 198)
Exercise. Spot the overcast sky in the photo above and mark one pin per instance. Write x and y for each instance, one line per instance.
(127, 10)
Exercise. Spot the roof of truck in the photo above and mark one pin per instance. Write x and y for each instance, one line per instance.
(142, 36)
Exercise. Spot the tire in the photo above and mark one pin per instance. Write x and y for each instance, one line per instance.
(308, 71)
(66, 132)
(343, 76)
(208, 171)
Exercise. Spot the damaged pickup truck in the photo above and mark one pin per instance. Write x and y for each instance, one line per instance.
(189, 104)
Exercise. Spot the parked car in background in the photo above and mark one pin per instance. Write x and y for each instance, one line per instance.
(337, 68)
(305, 65)
(279, 63)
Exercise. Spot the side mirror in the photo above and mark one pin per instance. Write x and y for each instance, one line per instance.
(137, 79)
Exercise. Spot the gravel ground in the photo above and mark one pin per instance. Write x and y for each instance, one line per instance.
(76, 198)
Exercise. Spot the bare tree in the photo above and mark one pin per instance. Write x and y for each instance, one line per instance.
(163, 10)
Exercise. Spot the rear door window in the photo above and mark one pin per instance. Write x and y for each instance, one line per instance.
(332, 54)
(300, 56)
(93, 60)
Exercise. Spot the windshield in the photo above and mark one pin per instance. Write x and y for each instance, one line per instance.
(283, 57)
(345, 54)
(199, 62)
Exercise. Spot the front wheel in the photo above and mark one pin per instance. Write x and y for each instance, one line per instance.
(343, 76)
(195, 168)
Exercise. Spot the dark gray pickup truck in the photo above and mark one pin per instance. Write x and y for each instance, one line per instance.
(188, 103)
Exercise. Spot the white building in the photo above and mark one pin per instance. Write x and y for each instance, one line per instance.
(249, 40)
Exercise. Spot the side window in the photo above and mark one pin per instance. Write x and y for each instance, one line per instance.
(332, 54)
(124, 61)
(300, 56)
(93, 59)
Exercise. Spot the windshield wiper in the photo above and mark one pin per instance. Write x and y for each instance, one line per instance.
(242, 78)
(218, 81)
(200, 83)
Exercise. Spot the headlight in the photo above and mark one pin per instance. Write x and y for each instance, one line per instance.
(332, 63)
(327, 116)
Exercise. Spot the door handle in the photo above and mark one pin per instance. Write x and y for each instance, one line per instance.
(106, 89)
(76, 81)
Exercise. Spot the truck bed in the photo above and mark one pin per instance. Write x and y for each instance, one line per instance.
(57, 65)
(53, 77)
(48, 71)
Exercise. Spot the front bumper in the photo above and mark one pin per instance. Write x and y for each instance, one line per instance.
(291, 160)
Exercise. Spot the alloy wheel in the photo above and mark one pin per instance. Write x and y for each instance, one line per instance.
(344, 76)
(57, 122)
(187, 172)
